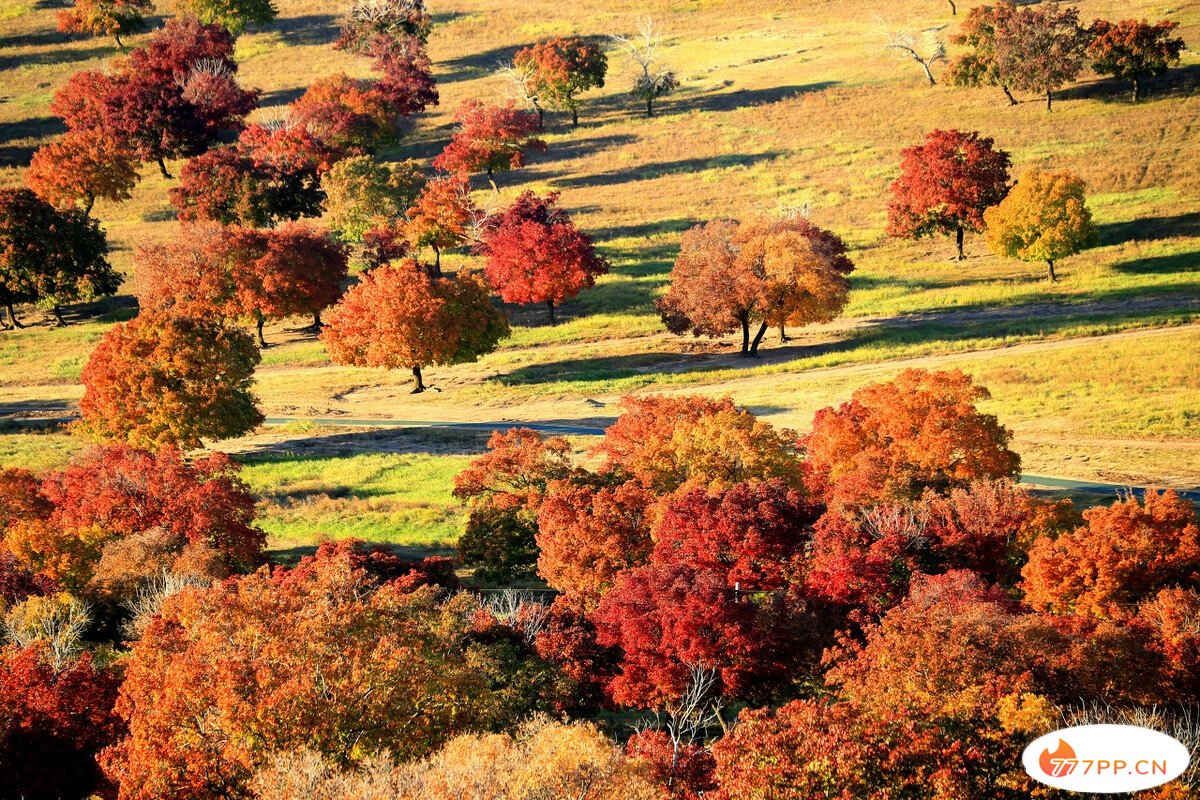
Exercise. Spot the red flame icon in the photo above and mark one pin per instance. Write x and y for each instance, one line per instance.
(1059, 763)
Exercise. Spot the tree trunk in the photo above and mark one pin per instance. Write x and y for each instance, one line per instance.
(574, 117)
(541, 112)
(758, 338)
(745, 320)
(437, 261)
(928, 73)
(550, 305)
(259, 321)
(1049, 100)
(12, 317)
(958, 240)
(418, 384)
(117, 36)
(62, 323)
(649, 106)
(1137, 89)
(953, 9)
(492, 180)
(317, 324)
(1012, 101)
(1053, 277)
(783, 337)
(162, 167)
(91, 201)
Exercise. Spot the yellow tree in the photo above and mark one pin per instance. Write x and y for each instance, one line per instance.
(1044, 218)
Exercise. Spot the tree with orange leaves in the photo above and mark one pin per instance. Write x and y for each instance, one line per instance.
(1124, 554)
(80, 168)
(159, 380)
(400, 316)
(670, 442)
(442, 216)
(490, 139)
(1044, 218)
(893, 440)
(350, 114)
(560, 68)
(105, 17)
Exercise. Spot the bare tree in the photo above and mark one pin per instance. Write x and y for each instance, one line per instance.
(519, 610)
(150, 598)
(60, 625)
(523, 88)
(689, 720)
(926, 47)
(655, 80)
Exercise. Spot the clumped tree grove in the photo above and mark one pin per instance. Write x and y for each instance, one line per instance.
(945, 186)
(490, 139)
(1044, 218)
(162, 380)
(50, 257)
(778, 272)
(402, 317)
(559, 69)
(113, 18)
(535, 254)
(1132, 50)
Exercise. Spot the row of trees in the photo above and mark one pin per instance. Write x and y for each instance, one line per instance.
(875, 607)
(1043, 47)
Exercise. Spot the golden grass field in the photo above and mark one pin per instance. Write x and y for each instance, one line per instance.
(781, 103)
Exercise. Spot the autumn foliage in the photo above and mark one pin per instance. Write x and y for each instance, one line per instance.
(559, 69)
(1044, 218)
(80, 168)
(945, 186)
(490, 139)
(159, 380)
(105, 17)
(535, 254)
(1133, 50)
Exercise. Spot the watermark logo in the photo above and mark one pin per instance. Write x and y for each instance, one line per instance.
(1105, 759)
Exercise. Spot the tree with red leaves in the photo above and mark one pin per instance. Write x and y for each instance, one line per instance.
(442, 216)
(50, 257)
(81, 167)
(407, 81)
(716, 594)
(323, 655)
(350, 114)
(893, 440)
(159, 380)
(1132, 50)
(945, 185)
(490, 139)
(558, 69)
(400, 316)
(1125, 554)
(16, 581)
(773, 272)
(1041, 48)
(685, 769)
(171, 98)
(105, 17)
(667, 443)
(535, 254)
(268, 176)
(588, 535)
(503, 489)
(54, 722)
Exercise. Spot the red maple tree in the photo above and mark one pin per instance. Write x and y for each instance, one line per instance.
(490, 139)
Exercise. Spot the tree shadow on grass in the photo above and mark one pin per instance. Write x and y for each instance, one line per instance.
(475, 65)
(310, 29)
(659, 169)
(739, 98)
(1151, 228)
(1176, 82)
(56, 54)
(1161, 265)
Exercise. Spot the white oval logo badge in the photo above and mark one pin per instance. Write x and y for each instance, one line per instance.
(1105, 759)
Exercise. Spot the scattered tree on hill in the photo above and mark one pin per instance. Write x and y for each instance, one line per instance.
(654, 80)
(1130, 50)
(232, 15)
(945, 186)
(893, 440)
(774, 272)
(980, 31)
(1124, 555)
(1044, 218)
(1040, 48)
(490, 139)
(926, 48)
(392, 19)
(324, 655)
(559, 69)
(105, 17)
(48, 256)
(363, 194)
(161, 380)
(268, 176)
(56, 720)
(401, 317)
(79, 168)
(535, 254)
(442, 217)
(171, 98)
(503, 489)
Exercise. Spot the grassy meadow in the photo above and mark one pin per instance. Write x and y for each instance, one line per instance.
(781, 103)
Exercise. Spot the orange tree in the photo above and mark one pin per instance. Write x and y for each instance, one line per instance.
(1133, 51)
(441, 216)
(105, 17)
(893, 440)
(945, 186)
(560, 68)
(81, 167)
(400, 317)
(159, 380)
(1044, 218)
